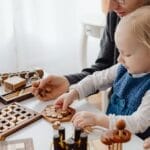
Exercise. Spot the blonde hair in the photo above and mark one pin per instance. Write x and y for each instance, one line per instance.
(139, 24)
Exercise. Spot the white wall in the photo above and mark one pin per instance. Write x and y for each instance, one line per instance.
(44, 33)
(7, 41)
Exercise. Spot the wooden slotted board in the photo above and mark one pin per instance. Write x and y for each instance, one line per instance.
(14, 117)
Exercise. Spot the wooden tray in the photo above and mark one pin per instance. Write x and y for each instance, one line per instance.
(14, 117)
(23, 144)
(16, 96)
(50, 109)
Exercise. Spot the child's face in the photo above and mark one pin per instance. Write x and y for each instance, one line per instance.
(133, 55)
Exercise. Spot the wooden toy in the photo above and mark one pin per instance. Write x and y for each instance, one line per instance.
(14, 83)
(52, 114)
(18, 85)
(78, 142)
(16, 96)
(14, 117)
(115, 138)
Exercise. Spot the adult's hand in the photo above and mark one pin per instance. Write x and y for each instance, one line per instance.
(50, 87)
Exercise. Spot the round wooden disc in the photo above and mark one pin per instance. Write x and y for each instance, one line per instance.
(52, 114)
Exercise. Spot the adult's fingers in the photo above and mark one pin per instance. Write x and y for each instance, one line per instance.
(34, 91)
(42, 98)
(35, 84)
(45, 81)
(47, 89)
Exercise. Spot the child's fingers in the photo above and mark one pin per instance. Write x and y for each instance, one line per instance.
(81, 124)
(66, 104)
(77, 120)
(147, 143)
(58, 101)
(75, 123)
(75, 116)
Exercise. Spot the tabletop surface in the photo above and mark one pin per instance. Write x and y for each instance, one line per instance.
(42, 133)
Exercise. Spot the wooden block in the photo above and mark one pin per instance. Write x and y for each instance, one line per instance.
(14, 83)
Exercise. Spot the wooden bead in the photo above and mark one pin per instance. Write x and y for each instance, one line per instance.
(120, 124)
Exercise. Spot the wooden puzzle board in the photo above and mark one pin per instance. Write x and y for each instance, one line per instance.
(51, 114)
(14, 117)
(23, 144)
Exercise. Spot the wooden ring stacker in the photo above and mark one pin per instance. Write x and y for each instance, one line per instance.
(116, 137)
(52, 114)
(107, 137)
(125, 137)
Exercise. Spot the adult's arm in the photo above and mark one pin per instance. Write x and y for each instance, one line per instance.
(108, 52)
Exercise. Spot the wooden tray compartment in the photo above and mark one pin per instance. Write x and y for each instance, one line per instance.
(16, 96)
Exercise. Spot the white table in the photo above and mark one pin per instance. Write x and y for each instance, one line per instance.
(42, 132)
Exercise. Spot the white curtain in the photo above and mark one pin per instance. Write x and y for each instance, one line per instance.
(42, 33)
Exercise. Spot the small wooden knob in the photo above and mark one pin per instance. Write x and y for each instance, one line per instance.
(120, 124)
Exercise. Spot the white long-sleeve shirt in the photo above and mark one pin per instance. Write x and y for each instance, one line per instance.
(139, 121)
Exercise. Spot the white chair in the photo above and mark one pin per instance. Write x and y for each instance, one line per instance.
(93, 26)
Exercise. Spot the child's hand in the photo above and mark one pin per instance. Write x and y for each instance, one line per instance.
(147, 143)
(84, 118)
(66, 99)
